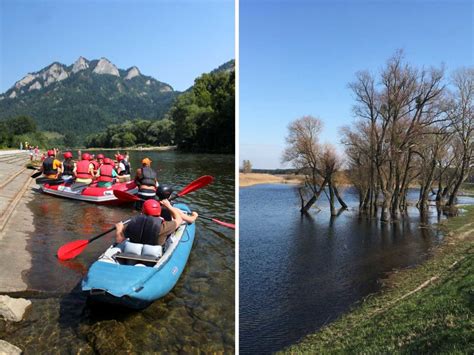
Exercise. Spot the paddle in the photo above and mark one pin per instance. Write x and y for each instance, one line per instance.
(45, 180)
(194, 185)
(125, 196)
(225, 224)
(73, 249)
(35, 175)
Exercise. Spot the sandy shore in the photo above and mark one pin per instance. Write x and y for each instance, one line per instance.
(254, 179)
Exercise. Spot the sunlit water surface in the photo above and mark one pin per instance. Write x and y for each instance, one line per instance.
(297, 273)
(197, 314)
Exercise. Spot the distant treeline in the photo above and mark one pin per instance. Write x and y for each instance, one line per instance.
(21, 129)
(200, 120)
(274, 171)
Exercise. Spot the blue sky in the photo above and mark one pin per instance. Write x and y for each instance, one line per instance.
(174, 41)
(297, 58)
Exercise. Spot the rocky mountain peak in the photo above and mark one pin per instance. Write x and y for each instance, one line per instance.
(80, 64)
(55, 72)
(104, 66)
(27, 79)
(132, 72)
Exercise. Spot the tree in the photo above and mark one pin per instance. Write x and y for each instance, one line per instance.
(318, 163)
(395, 116)
(246, 167)
(461, 115)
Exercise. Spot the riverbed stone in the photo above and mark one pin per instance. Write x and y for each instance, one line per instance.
(8, 349)
(108, 337)
(13, 309)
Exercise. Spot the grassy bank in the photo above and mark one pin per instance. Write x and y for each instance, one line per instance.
(426, 309)
(250, 179)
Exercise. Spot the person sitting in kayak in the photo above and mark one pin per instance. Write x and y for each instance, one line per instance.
(84, 170)
(163, 193)
(51, 167)
(100, 159)
(145, 178)
(106, 173)
(68, 167)
(123, 168)
(95, 163)
(149, 227)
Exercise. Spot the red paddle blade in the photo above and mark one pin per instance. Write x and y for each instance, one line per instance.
(225, 224)
(125, 196)
(72, 249)
(196, 184)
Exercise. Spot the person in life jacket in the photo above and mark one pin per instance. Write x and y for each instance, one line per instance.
(68, 167)
(123, 168)
(163, 193)
(51, 167)
(106, 174)
(149, 227)
(146, 180)
(84, 170)
(100, 159)
(95, 163)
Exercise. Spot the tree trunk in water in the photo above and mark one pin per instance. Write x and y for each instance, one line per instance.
(331, 199)
(385, 215)
(305, 208)
(341, 202)
(426, 188)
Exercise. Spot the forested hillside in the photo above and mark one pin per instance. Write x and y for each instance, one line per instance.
(201, 120)
(86, 97)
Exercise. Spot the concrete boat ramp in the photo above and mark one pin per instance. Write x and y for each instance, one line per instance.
(16, 221)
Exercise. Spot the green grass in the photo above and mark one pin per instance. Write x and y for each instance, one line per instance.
(436, 318)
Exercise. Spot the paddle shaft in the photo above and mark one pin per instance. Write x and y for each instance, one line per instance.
(108, 231)
(73, 249)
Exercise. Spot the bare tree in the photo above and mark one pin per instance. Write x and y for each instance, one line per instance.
(392, 117)
(246, 167)
(318, 163)
(461, 115)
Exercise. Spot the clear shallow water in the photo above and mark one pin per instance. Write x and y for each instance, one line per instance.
(197, 314)
(299, 273)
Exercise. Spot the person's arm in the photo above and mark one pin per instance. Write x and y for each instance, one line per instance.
(187, 218)
(97, 174)
(138, 175)
(175, 213)
(91, 170)
(119, 232)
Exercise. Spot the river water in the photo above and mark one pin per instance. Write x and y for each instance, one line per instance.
(299, 273)
(197, 314)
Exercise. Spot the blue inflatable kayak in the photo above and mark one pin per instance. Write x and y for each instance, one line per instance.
(134, 275)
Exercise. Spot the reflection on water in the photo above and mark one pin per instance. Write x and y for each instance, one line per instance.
(298, 273)
(197, 314)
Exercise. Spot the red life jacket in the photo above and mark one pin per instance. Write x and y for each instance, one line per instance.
(106, 173)
(96, 164)
(82, 169)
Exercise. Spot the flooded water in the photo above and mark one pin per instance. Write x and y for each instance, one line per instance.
(299, 273)
(197, 314)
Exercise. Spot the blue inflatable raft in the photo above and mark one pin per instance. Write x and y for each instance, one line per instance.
(134, 275)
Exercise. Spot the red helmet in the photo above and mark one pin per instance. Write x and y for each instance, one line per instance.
(86, 156)
(67, 155)
(119, 157)
(151, 208)
(100, 156)
(51, 153)
(108, 161)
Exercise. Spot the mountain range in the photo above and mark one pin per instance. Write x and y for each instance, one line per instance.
(86, 97)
